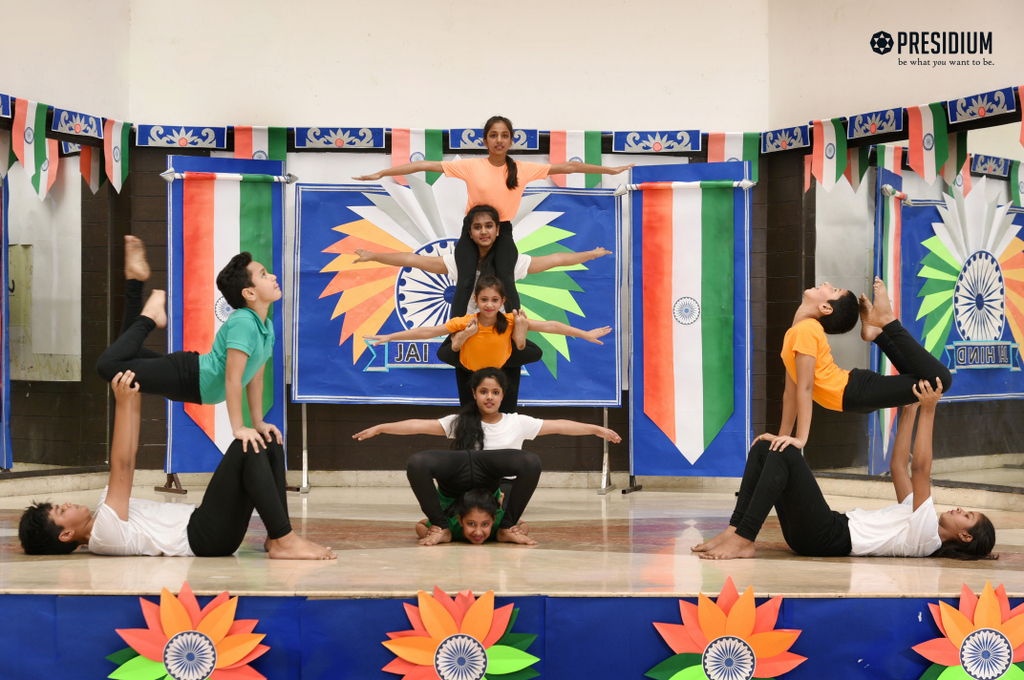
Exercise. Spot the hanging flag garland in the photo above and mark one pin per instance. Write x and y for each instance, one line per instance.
(579, 146)
(735, 146)
(90, 163)
(1016, 184)
(261, 143)
(856, 165)
(410, 145)
(115, 151)
(29, 134)
(828, 158)
(929, 141)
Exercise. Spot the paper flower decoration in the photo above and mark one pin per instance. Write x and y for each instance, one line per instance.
(727, 640)
(461, 639)
(183, 642)
(984, 639)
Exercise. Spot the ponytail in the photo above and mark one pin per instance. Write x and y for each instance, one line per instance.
(983, 539)
(512, 181)
(469, 429)
(500, 322)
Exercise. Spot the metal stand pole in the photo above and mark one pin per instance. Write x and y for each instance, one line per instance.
(305, 458)
(633, 486)
(606, 475)
(172, 485)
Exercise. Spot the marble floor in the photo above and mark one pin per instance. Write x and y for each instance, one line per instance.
(589, 545)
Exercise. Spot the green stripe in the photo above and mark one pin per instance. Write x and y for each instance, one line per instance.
(126, 128)
(716, 313)
(752, 151)
(277, 143)
(941, 136)
(837, 124)
(1015, 182)
(255, 234)
(433, 150)
(863, 153)
(39, 142)
(592, 155)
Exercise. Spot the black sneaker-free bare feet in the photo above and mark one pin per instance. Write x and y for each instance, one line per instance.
(135, 264)
(881, 313)
(733, 548)
(714, 542)
(867, 332)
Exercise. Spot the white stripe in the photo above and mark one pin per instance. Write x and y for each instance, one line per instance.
(576, 150)
(226, 204)
(95, 170)
(687, 350)
(260, 142)
(733, 146)
(828, 165)
(115, 143)
(29, 160)
(928, 128)
(417, 145)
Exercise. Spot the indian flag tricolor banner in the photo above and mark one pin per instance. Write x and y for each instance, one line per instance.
(46, 171)
(724, 147)
(928, 140)
(890, 157)
(856, 166)
(28, 135)
(261, 143)
(220, 218)
(115, 151)
(688, 312)
(1016, 184)
(91, 165)
(581, 147)
(891, 227)
(409, 145)
(828, 156)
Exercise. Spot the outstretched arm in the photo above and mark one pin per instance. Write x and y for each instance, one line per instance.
(407, 169)
(434, 265)
(125, 443)
(804, 402)
(921, 465)
(577, 429)
(422, 333)
(900, 458)
(546, 262)
(575, 166)
(403, 427)
(562, 329)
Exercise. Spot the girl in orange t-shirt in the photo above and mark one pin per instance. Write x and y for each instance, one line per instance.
(497, 180)
(485, 339)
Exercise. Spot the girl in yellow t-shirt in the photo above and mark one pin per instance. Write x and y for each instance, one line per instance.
(485, 339)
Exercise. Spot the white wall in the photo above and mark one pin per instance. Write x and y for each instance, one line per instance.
(67, 53)
(567, 64)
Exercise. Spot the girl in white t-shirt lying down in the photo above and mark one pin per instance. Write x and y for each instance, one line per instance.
(488, 447)
(909, 529)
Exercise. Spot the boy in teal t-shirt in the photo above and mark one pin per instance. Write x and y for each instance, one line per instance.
(235, 362)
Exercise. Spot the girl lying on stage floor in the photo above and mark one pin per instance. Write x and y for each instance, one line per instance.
(910, 529)
(122, 525)
(488, 447)
(812, 375)
(486, 339)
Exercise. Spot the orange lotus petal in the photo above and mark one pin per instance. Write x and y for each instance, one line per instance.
(436, 619)
(740, 621)
(956, 624)
(257, 652)
(688, 613)
(464, 600)
(353, 297)
(1013, 630)
(777, 665)
(358, 315)
(678, 638)
(772, 643)
(477, 622)
(712, 619)
(173, 617)
(404, 633)
(151, 612)
(216, 624)
(727, 598)
(214, 603)
(240, 673)
(499, 624)
(400, 666)
(188, 600)
(148, 643)
(940, 651)
(968, 602)
(937, 615)
(1016, 611)
(1018, 655)
(231, 650)
(449, 604)
(987, 614)
(767, 615)
(414, 618)
(418, 650)
(1004, 603)
(242, 626)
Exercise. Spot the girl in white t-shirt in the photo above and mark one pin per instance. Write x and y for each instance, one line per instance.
(909, 529)
(488, 447)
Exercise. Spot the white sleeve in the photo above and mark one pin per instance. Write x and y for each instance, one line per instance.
(923, 532)
(448, 423)
(529, 427)
(110, 535)
(522, 266)
(453, 269)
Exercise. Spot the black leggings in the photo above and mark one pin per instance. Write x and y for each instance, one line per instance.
(243, 481)
(457, 472)
(868, 391)
(783, 479)
(502, 257)
(173, 376)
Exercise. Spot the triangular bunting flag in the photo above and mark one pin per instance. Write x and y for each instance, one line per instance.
(115, 151)
(856, 165)
(1016, 184)
(409, 145)
(261, 143)
(90, 162)
(46, 174)
(957, 145)
(735, 146)
(6, 153)
(929, 141)
(890, 157)
(828, 158)
(580, 146)
(28, 136)
(807, 173)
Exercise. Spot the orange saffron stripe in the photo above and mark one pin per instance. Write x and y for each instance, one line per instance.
(197, 282)
(659, 393)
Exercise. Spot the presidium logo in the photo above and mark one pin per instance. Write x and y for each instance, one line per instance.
(933, 42)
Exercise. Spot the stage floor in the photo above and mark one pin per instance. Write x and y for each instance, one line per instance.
(589, 546)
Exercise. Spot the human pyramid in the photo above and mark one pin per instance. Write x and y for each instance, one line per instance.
(459, 490)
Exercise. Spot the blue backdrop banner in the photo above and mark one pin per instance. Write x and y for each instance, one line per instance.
(690, 375)
(6, 455)
(336, 302)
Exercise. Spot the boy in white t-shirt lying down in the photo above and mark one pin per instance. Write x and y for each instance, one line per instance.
(123, 525)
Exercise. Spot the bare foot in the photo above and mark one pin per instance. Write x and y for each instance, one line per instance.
(520, 327)
(881, 309)
(156, 308)
(714, 542)
(867, 332)
(515, 535)
(135, 264)
(422, 529)
(524, 528)
(294, 547)
(734, 548)
(436, 535)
